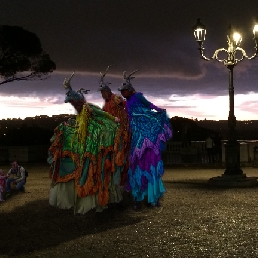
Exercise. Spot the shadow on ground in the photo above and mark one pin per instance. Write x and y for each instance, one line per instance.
(37, 225)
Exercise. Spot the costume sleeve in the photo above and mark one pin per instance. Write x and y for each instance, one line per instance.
(119, 101)
(102, 113)
(147, 103)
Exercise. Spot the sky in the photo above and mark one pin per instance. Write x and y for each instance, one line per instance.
(154, 37)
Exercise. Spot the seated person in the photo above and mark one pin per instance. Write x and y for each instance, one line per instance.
(16, 176)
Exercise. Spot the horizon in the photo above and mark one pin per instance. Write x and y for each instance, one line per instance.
(46, 97)
(70, 114)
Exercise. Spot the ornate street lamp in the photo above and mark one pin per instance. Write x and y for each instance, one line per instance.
(233, 174)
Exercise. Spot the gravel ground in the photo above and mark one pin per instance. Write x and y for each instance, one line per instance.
(194, 221)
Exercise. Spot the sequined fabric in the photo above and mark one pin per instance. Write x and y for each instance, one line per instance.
(150, 131)
(90, 161)
(115, 106)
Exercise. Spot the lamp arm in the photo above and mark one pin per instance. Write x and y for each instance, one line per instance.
(201, 49)
(245, 55)
(215, 55)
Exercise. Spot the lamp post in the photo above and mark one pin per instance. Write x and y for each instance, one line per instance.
(233, 174)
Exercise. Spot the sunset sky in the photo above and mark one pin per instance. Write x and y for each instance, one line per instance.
(155, 37)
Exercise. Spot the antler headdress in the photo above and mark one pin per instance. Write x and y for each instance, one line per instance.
(102, 85)
(126, 85)
(70, 93)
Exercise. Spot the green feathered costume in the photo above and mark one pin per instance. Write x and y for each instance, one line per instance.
(82, 161)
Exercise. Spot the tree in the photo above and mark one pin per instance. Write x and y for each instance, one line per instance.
(22, 56)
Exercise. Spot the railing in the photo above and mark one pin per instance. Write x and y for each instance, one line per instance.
(195, 153)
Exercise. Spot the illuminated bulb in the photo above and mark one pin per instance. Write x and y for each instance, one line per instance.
(255, 31)
(200, 34)
(237, 38)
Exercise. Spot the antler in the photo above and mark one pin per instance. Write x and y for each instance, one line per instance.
(129, 76)
(82, 90)
(66, 83)
(71, 77)
(103, 75)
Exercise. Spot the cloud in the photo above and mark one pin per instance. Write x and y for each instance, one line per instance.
(155, 37)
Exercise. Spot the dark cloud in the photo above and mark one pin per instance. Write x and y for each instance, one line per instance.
(149, 35)
(155, 37)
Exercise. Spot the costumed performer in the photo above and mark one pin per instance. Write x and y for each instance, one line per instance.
(115, 105)
(150, 130)
(81, 156)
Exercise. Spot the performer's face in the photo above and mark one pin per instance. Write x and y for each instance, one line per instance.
(106, 95)
(77, 104)
(126, 93)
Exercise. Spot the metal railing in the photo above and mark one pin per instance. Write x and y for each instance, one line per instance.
(196, 153)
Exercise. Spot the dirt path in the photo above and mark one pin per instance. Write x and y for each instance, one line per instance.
(194, 221)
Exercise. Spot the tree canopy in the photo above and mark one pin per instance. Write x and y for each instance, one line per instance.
(22, 56)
